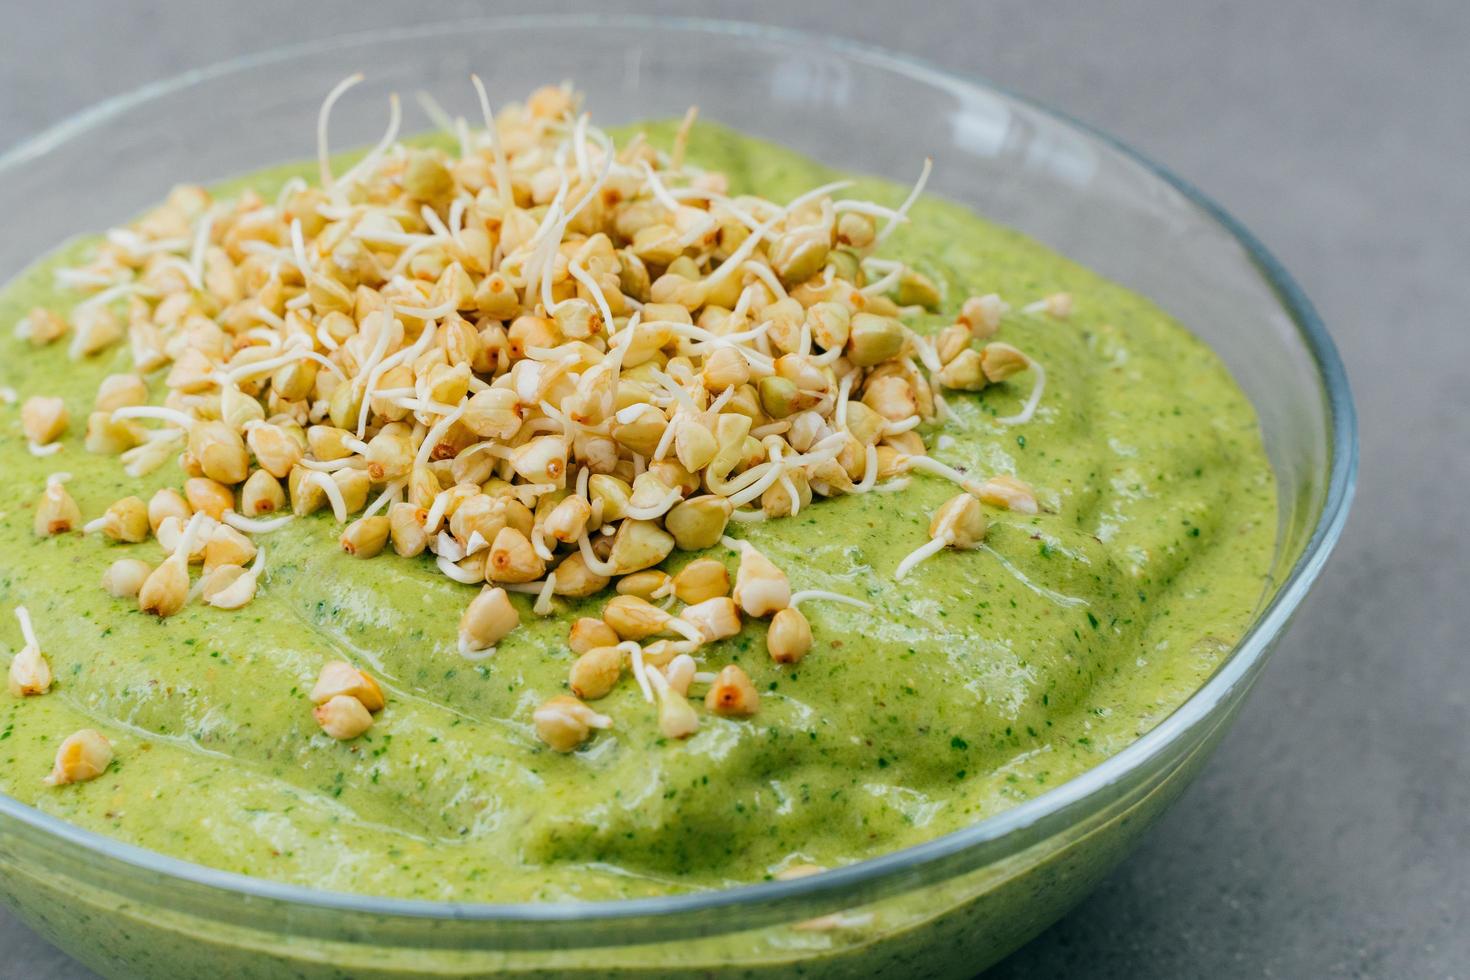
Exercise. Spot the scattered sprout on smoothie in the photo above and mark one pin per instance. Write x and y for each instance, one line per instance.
(732, 693)
(125, 521)
(340, 677)
(124, 578)
(676, 716)
(544, 361)
(1008, 493)
(30, 673)
(81, 756)
(487, 620)
(564, 723)
(342, 717)
(230, 586)
(56, 511)
(594, 673)
(1057, 305)
(346, 699)
(959, 524)
(166, 588)
(44, 421)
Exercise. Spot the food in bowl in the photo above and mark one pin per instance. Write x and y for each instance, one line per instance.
(538, 513)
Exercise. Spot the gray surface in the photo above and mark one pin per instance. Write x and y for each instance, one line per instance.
(1331, 834)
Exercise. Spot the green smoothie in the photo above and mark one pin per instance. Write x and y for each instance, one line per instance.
(984, 678)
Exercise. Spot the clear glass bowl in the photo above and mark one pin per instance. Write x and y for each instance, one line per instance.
(947, 907)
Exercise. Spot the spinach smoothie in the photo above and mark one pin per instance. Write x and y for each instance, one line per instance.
(983, 678)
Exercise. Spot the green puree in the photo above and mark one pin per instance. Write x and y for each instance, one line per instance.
(985, 678)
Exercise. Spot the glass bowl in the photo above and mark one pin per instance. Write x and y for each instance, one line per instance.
(947, 907)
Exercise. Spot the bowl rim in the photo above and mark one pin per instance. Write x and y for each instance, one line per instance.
(1238, 668)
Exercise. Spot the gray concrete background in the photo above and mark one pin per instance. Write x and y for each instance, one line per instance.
(1331, 834)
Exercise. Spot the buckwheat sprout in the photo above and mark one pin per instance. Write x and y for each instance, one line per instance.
(447, 546)
(391, 493)
(685, 629)
(746, 249)
(298, 250)
(579, 147)
(293, 186)
(330, 465)
(596, 565)
(760, 486)
(658, 509)
(428, 312)
(868, 208)
(436, 113)
(385, 236)
(323, 155)
(808, 595)
(178, 262)
(376, 366)
(450, 413)
(870, 471)
(151, 454)
(538, 543)
(201, 242)
(500, 164)
(436, 226)
(660, 192)
(581, 276)
(816, 193)
(407, 255)
(764, 274)
(544, 258)
(236, 375)
(913, 558)
(456, 215)
(156, 413)
(27, 630)
(452, 571)
(135, 244)
(698, 231)
(928, 464)
(542, 606)
(370, 159)
(252, 525)
(789, 488)
(892, 273)
(333, 493)
(1028, 410)
(462, 132)
(927, 354)
(908, 202)
(674, 388)
(681, 138)
(74, 279)
(112, 292)
(608, 158)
